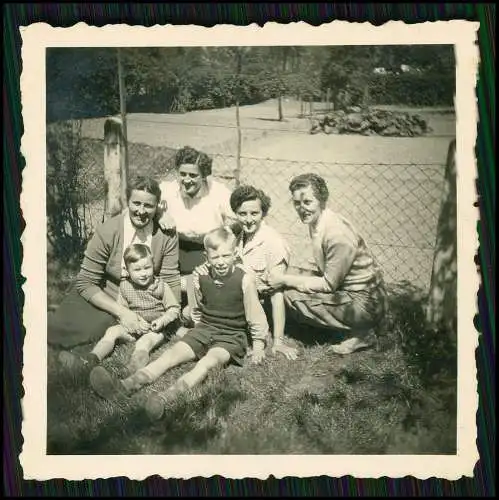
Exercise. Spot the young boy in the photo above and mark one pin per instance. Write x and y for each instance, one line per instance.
(144, 294)
(226, 303)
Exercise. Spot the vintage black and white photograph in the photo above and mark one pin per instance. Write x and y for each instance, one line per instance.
(251, 249)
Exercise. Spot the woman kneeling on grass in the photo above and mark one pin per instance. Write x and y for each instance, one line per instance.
(226, 303)
(92, 307)
(347, 293)
(262, 249)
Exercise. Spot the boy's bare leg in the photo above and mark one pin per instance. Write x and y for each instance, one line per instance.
(215, 357)
(108, 387)
(143, 347)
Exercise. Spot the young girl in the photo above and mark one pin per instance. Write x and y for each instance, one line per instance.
(148, 296)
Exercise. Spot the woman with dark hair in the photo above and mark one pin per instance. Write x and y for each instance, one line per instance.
(346, 293)
(196, 204)
(263, 249)
(91, 308)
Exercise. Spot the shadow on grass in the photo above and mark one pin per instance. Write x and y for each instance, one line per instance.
(190, 422)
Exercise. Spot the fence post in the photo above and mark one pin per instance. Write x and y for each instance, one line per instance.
(124, 135)
(114, 154)
(442, 300)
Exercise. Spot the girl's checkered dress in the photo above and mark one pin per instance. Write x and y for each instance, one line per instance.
(147, 302)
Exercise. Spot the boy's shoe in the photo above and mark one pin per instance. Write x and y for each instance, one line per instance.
(74, 362)
(105, 385)
(139, 360)
(156, 403)
(155, 406)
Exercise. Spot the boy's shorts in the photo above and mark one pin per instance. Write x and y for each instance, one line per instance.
(204, 337)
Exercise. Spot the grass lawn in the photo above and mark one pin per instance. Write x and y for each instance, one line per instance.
(380, 401)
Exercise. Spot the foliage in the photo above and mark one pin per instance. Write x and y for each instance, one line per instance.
(67, 228)
(431, 351)
(371, 122)
(430, 80)
(83, 81)
(413, 90)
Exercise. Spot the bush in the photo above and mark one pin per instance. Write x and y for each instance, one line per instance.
(67, 229)
(430, 351)
(412, 89)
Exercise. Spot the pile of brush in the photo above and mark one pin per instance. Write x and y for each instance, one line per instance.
(370, 122)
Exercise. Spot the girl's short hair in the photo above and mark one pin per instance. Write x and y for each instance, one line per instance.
(143, 183)
(135, 252)
(219, 236)
(316, 182)
(194, 157)
(249, 193)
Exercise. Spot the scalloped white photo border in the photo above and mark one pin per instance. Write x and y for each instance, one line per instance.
(35, 462)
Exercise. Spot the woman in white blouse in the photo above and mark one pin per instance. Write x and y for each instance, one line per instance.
(195, 203)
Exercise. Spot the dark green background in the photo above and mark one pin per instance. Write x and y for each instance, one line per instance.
(16, 15)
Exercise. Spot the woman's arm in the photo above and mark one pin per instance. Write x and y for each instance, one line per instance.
(169, 271)
(305, 284)
(339, 257)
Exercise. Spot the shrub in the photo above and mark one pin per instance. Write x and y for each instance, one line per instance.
(412, 90)
(67, 227)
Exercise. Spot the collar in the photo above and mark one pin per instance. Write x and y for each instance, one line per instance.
(129, 228)
(258, 239)
(321, 223)
(203, 190)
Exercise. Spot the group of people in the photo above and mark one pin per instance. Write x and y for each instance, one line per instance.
(190, 258)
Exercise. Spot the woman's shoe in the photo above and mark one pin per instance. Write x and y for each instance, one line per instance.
(350, 345)
(76, 363)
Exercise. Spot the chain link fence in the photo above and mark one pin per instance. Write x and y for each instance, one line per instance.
(394, 206)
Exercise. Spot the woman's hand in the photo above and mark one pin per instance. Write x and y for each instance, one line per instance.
(290, 352)
(274, 280)
(165, 221)
(257, 356)
(202, 269)
(133, 323)
(157, 325)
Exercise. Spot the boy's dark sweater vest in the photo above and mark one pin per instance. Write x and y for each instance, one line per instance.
(223, 306)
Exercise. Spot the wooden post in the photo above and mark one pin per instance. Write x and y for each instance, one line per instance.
(328, 100)
(124, 162)
(113, 166)
(442, 301)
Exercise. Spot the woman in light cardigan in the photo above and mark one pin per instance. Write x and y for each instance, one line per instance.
(91, 307)
(346, 292)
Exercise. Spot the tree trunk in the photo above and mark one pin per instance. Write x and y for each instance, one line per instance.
(442, 303)
(279, 107)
